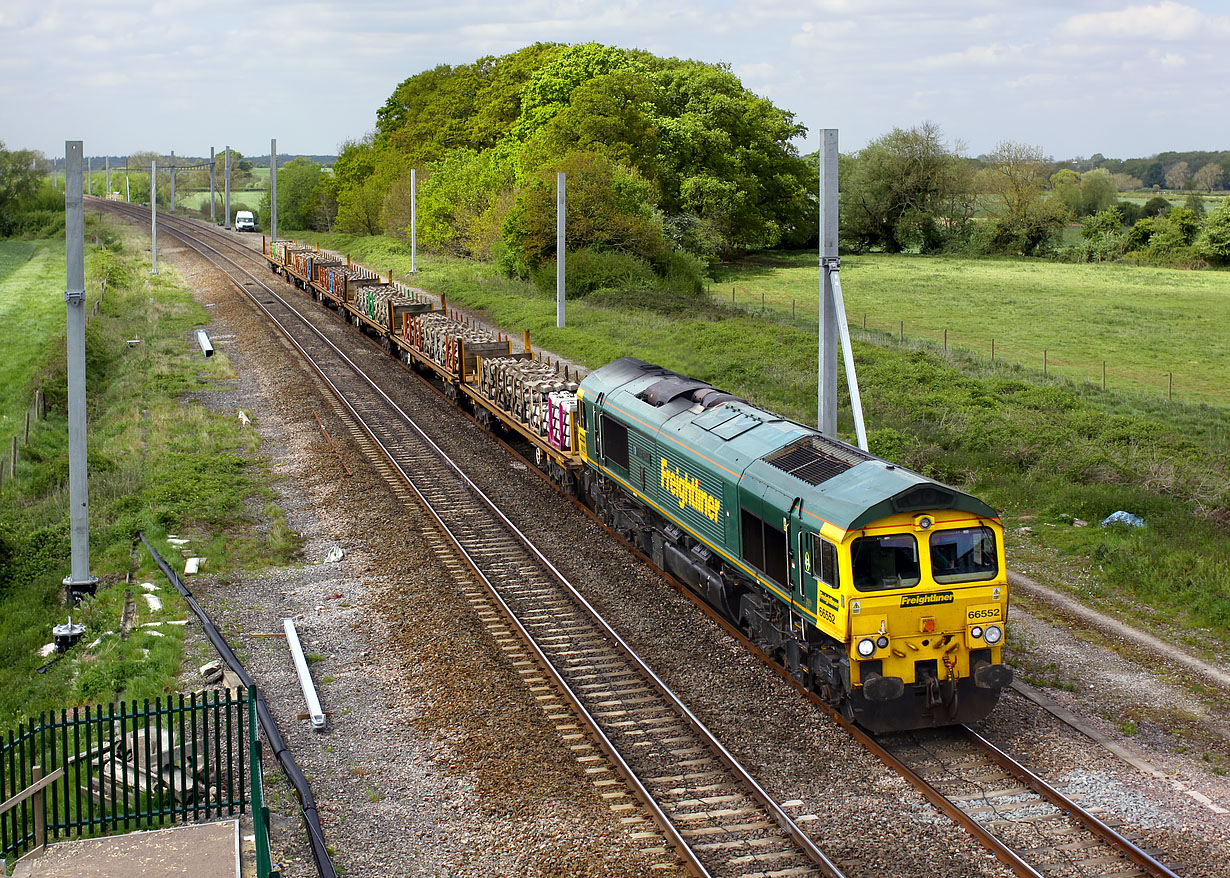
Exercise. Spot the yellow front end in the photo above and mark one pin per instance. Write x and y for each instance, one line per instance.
(928, 599)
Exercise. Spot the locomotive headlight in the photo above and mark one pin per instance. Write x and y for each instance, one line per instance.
(994, 634)
(975, 632)
(866, 647)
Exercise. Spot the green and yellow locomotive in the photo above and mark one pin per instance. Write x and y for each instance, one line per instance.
(881, 590)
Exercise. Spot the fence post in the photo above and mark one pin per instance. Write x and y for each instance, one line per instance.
(992, 350)
(901, 336)
(40, 822)
(945, 340)
(13, 468)
(1103, 376)
(26, 440)
(1169, 398)
(1044, 363)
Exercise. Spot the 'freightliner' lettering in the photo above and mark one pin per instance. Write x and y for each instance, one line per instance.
(687, 490)
(926, 600)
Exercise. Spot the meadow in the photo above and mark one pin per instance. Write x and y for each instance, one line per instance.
(1148, 325)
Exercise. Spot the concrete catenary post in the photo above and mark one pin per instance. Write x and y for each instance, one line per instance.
(226, 177)
(172, 181)
(834, 330)
(561, 201)
(212, 210)
(79, 581)
(414, 221)
(273, 189)
(826, 400)
(153, 214)
(107, 163)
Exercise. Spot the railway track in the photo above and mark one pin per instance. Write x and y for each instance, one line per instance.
(1030, 826)
(708, 808)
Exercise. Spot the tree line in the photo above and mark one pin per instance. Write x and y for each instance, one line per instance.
(911, 190)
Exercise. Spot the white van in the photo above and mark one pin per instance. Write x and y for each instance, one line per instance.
(244, 221)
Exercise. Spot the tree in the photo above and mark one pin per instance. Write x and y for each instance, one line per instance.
(19, 175)
(1098, 191)
(359, 208)
(1207, 177)
(1023, 221)
(1213, 243)
(1126, 182)
(901, 189)
(1178, 174)
(609, 207)
(298, 194)
(1156, 206)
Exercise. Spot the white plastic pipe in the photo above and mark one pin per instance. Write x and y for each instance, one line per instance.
(305, 676)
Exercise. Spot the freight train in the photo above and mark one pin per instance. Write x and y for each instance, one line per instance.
(882, 591)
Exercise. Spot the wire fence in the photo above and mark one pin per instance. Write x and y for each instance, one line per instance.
(876, 329)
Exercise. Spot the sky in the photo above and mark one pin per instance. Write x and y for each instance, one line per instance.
(1075, 77)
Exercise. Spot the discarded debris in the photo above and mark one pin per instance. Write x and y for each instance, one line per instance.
(177, 541)
(155, 602)
(1122, 517)
(149, 586)
(335, 554)
(243, 418)
(212, 672)
(193, 566)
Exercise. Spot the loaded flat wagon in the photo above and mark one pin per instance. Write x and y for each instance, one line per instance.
(534, 400)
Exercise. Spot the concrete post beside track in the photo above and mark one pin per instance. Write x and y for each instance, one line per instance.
(226, 176)
(153, 214)
(414, 222)
(172, 181)
(213, 218)
(826, 403)
(561, 201)
(79, 581)
(273, 189)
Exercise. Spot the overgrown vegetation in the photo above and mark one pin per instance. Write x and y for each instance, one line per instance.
(160, 462)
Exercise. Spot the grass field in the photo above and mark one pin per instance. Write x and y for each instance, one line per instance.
(198, 200)
(1144, 323)
(1046, 453)
(32, 311)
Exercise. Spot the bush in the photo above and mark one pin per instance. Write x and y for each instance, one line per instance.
(1213, 243)
(589, 270)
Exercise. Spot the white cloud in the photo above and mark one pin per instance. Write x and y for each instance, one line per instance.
(1164, 21)
(976, 56)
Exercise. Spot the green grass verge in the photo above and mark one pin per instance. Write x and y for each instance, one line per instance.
(32, 313)
(1045, 452)
(160, 462)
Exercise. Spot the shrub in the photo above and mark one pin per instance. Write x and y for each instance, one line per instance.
(1213, 243)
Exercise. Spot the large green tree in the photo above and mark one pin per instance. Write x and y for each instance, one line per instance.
(299, 194)
(906, 189)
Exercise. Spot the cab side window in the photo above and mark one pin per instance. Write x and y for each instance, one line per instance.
(824, 561)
